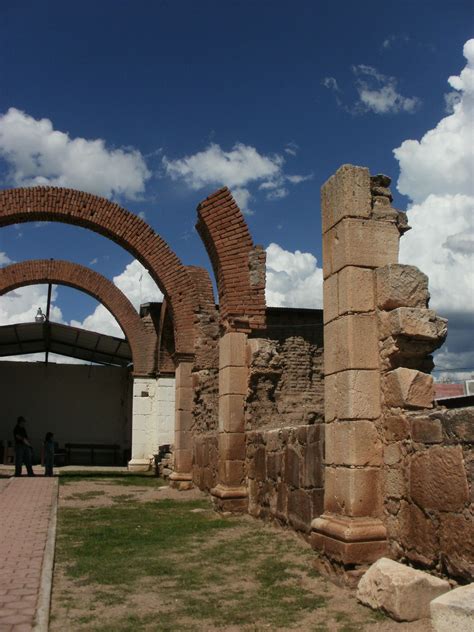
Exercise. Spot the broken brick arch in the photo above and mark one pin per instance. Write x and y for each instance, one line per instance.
(125, 228)
(142, 341)
(238, 265)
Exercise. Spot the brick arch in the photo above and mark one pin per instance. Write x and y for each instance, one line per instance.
(142, 341)
(125, 228)
(238, 265)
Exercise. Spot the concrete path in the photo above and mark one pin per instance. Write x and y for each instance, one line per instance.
(27, 532)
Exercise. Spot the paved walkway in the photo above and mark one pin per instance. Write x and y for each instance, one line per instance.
(25, 509)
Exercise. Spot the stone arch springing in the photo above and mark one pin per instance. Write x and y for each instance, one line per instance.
(142, 341)
(125, 228)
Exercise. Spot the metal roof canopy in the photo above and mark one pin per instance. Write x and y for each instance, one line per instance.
(90, 346)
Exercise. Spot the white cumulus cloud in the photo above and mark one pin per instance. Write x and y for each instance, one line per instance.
(238, 169)
(21, 305)
(137, 285)
(293, 279)
(379, 93)
(37, 154)
(4, 259)
(437, 173)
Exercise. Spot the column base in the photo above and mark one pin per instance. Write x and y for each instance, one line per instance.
(139, 465)
(181, 481)
(230, 499)
(348, 541)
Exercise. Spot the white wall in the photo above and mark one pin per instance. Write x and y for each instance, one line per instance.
(152, 418)
(165, 396)
(78, 403)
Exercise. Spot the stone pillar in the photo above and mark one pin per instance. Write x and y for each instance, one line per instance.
(182, 477)
(143, 423)
(230, 494)
(358, 237)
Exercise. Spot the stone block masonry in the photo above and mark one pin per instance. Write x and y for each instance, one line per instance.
(428, 489)
(285, 475)
(357, 239)
(398, 470)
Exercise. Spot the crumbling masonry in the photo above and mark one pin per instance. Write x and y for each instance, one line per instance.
(323, 421)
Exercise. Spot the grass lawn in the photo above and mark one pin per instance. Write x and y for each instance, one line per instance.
(174, 564)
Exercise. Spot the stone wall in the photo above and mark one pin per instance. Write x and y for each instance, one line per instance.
(286, 386)
(286, 381)
(429, 489)
(285, 472)
(284, 411)
(204, 428)
(428, 456)
(205, 460)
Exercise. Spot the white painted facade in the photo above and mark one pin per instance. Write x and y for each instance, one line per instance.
(152, 418)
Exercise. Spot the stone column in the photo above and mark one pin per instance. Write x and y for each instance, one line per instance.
(230, 494)
(358, 237)
(143, 423)
(181, 478)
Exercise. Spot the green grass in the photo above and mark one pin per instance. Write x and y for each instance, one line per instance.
(183, 553)
(203, 569)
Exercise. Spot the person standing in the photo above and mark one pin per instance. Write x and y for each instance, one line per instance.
(48, 454)
(23, 448)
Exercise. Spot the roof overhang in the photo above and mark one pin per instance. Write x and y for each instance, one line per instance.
(90, 346)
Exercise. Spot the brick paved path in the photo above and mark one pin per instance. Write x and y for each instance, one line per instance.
(25, 510)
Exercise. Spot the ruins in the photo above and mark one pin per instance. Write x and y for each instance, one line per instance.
(322, 420)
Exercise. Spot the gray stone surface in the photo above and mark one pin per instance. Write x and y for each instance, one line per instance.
(454, 611)
(400, 591)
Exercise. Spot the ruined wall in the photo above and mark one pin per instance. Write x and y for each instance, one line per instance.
(284, 389)
(286, 386)
(205, 383)
(428, 456)
(285, 471)
(284, 411)
(429, 502)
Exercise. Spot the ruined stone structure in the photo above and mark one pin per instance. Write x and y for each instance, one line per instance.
(340, 441)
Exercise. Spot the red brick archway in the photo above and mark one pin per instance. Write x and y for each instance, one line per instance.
(142, 341)
(125, 228)
(239, 266)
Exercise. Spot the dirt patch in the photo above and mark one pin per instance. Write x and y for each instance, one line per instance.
(106, 492)
(126, 561)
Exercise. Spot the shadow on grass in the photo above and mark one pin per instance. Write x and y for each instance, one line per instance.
(115, 478)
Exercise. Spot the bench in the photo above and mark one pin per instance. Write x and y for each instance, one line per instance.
(92, 448)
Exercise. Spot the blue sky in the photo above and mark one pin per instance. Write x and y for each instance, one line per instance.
(268, 97)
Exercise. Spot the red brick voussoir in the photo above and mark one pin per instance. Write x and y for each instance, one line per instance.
(25, 510)
(238, 265)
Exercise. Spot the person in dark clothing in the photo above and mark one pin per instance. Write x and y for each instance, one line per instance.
(23, 448)
(48, 454)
